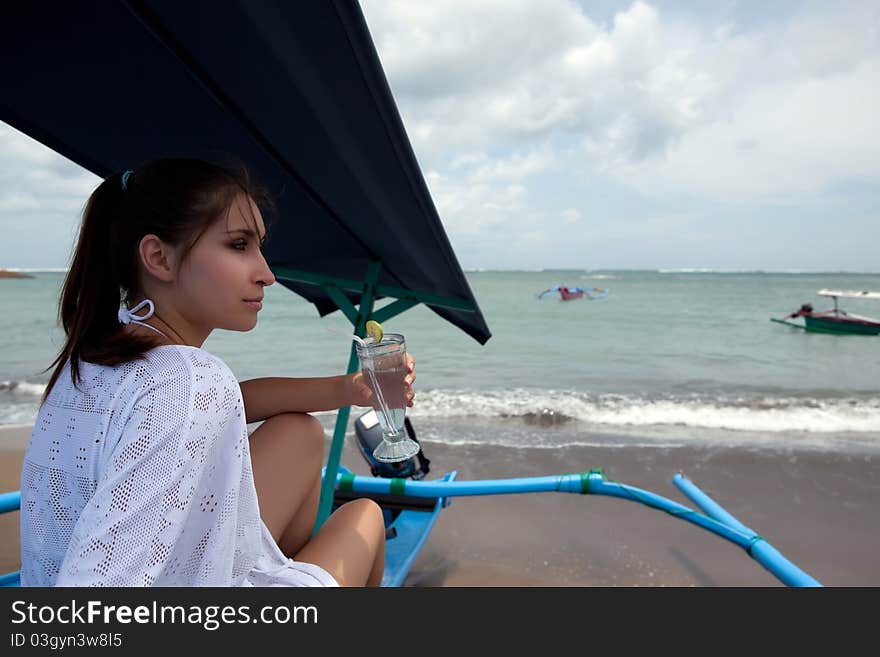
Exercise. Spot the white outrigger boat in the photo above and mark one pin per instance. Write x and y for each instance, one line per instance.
(303, 101)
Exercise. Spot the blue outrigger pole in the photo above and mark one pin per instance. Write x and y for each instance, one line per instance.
(715, 520)
(10, 502)
(757, 547)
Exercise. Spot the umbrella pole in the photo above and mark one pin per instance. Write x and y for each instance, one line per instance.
(359, 320)
(370, 289)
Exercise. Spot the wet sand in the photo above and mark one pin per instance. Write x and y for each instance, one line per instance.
(13, 441)
(818, 509)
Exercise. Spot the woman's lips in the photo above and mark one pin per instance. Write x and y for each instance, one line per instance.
(254, 305)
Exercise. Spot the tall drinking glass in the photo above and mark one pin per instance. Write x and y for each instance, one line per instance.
(384, 368)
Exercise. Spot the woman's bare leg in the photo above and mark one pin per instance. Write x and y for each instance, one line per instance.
(287, 453)
(350, 545)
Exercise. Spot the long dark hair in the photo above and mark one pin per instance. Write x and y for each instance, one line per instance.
(176, 199)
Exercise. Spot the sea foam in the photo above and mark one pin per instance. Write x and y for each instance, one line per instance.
(608, 411)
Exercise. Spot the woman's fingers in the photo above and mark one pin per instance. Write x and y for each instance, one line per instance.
(410, 378)
(410, 394)
(411, 367)
(363, 394)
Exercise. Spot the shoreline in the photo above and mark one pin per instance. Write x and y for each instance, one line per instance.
(817, 508)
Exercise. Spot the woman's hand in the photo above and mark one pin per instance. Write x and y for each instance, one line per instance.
(410, 379)
(362, 393)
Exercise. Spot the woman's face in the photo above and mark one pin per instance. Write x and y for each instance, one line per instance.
(220, 282)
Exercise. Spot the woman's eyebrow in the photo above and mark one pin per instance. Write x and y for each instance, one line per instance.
(245, 231)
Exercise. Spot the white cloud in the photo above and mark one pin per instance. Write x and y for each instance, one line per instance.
(473, 208)
(650, 123)
(785, 142)
(570, 215)
(41, 199)
(515, 167)
(498, 75)
(545, 68)
(669, 105)
(34, 177)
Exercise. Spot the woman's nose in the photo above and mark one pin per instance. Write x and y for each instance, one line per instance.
(266, 277)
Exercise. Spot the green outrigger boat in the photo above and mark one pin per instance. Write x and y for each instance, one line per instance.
(303, 101)
(834, 320)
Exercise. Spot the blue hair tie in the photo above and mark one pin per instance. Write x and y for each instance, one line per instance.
(125, 177)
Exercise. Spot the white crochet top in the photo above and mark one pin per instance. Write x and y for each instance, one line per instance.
(142, 476)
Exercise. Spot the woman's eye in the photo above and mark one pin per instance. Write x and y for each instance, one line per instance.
(239, 246)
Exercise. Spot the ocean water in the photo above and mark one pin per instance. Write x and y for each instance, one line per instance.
(667, 358)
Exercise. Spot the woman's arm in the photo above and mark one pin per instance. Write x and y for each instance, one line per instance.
(270, 396)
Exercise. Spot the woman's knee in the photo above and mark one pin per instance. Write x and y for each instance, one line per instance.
(304, 428)
(350, 544)
(298, 422)
(369, 515)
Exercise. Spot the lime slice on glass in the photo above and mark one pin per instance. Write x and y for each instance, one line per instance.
(374, 330)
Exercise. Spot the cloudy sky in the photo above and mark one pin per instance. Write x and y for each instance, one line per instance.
(557, 134)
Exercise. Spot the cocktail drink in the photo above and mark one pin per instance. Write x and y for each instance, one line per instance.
(384, 368)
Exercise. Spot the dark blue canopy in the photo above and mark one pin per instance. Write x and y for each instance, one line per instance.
(294, 90)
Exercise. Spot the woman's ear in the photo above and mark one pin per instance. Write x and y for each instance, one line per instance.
(157, 258)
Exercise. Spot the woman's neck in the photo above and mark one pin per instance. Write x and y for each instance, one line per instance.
(165, 326)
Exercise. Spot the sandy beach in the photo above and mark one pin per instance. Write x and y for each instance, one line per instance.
(818, 509)
(13, 441)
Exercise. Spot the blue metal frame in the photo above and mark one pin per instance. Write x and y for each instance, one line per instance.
(718, 521)
(412, 529)
(417, 525)
(10, 502)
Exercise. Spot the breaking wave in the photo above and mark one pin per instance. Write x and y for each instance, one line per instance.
(609, 411)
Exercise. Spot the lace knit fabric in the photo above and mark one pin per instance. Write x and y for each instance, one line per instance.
(141, 476)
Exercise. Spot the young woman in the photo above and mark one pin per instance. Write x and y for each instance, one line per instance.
(140, 471)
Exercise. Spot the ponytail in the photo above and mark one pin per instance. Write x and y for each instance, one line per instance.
(92, 291)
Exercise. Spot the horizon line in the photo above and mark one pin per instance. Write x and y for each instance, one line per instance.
(664, 270)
